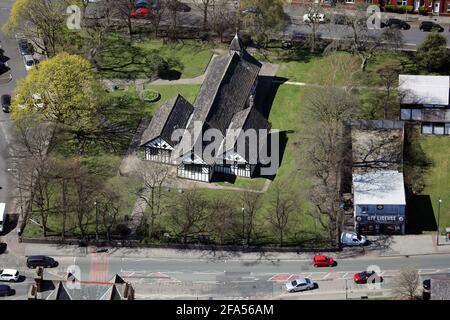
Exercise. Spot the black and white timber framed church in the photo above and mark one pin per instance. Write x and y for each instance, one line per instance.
(226, 101)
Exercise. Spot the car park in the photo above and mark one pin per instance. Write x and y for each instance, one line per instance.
(6, 102)
(323, 261)
(350, 238)
(397, 24)
(428, 26)
(365, 276)
(300, 284)
(5, 290)
(41, 261)
(10, 275)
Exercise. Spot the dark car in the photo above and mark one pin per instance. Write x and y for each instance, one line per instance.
(5, 290)
(397, 24)
(426, 284)
(183, 7)
(25, 47)
(6, 102)
(41, 261)
(363, 277)
(428, 26)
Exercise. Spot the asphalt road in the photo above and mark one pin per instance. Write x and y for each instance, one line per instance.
(17, 70)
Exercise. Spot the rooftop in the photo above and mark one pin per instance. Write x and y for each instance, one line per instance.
(416, 89)
(379, 187)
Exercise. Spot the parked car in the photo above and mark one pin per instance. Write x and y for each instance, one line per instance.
(426, 284)
(10, 275)
(183, 7)
(28, 60)
(363, 277)
(139, 12)
(349, 238)
(323, 261)
(428, 26)
(6, 102)
(41, 261)
(397, 24)
(5, 290)
(250, 10)
(309, 17)
(25, 47)
(300, 284)
(141, 4)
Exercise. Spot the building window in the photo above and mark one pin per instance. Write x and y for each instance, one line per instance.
(447, 128)
(349, 1)
(438, 129)
(402, 2)
(405, 114)
(427, 128)
(380, 207)
(448, 6)
(364, 209)
(416, 114)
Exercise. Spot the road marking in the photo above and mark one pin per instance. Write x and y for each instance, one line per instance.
(280, 277)
(344, 276)
(326, 276)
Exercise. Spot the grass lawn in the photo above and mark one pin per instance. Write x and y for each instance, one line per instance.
(194, 56)
(188, 91)
(438, 178)
(253, 184)
(120, 58)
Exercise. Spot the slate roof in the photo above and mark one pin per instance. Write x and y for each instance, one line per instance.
(112, 290)
(236, 43)
(172, 115)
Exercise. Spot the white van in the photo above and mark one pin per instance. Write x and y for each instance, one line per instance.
(2, 216)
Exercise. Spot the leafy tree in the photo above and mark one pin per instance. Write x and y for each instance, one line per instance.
(432, 54)
(42, 20)
(267, 19)
(62, 90)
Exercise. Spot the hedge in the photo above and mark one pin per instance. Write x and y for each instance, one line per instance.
(399, 9)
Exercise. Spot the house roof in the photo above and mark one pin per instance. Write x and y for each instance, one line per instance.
(415, 89)
(223, 94)
(379, 187)
(236, 43)
(173, 114)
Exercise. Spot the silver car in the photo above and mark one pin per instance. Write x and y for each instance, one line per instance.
(351, 238)
(300, 284)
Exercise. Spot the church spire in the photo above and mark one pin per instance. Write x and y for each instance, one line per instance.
(236, 44)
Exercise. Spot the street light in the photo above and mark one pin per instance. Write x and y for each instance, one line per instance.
(243, 226)
(439, 216)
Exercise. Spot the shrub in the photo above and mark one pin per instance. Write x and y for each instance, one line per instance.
(423, 10)
(150, 95)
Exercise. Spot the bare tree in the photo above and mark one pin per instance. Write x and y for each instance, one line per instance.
(204, 6)
(282, 206)
(223, 219)
(153, 175)
(172, 7)
(315, 14)
(324, 144)
(251, 204)
(156, 16)
(407, 282)
(221, 18)
(388, 74)
(123, 9)
(188, 213)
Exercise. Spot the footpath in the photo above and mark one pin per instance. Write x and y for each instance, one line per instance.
(408, 245)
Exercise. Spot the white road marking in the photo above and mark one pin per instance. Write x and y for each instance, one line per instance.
(345, 275)
(326, 276)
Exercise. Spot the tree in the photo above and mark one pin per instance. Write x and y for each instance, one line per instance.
(63, 90)
(224, 223)
(123, 12)
(388, 74)
(323, 151)
(188, 213)
(282, 207)
(251, 204)
(156, 15)
(222, 19)
(432, 54)
(204, 6)
(267, 19)
(153, 175)
(41, 21)
(407, 282)
(314, 11)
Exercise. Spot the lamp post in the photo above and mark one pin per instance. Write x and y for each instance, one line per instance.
(96, 221)
(439, 217)
(346, 289)
(243, 226)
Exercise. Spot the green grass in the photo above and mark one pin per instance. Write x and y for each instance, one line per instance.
(253, 184)
(188, 91)
(438, 178)
(194, 56)
(120, 58)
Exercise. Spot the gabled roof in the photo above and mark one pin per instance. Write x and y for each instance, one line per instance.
(384, 187)
(172, 115)
(236, 43)
(415, 89)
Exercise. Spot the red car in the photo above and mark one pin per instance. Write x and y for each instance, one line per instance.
(140, 13)
(363, 277)
(323, 261)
